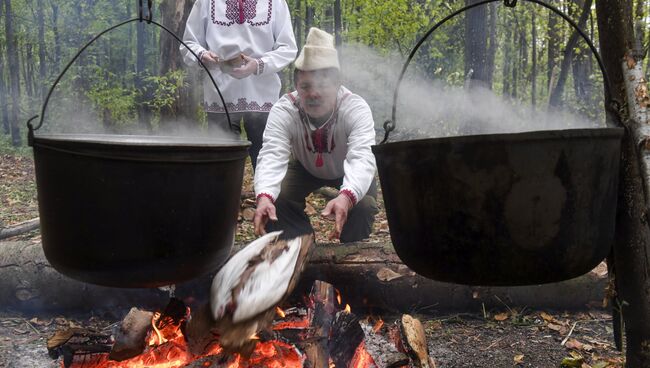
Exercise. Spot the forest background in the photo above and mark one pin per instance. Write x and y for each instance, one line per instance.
(133, 79)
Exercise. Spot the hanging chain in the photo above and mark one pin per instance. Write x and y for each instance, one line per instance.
(510, 3)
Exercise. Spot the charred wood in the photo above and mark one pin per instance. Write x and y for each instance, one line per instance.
(315, 345)
(77, 344)
(383, 351)
(345, 338)
(131, 334)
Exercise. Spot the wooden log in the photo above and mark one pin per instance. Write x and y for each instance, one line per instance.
(76, 344)
(20, 228)
(383, 351)
(321, 314)
(345, 338)
(368, 275)
(414, 340)
(130, 336)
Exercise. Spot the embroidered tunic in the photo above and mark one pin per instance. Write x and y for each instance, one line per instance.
(339, 148)
(260, 29)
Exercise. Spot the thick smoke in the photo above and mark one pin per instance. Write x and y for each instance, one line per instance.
(428, 108)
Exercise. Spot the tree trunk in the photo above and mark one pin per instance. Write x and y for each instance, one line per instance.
(555, 99)
(476, 32)
(4, 108)
(14, 76)
(28, 72)
(174, 15)
(144, 111)
(42, 63)
(533, 73)
(632, 246)
(297, 23)
(492, 43)
(309, 17)
(337, 22)
(581, 67)
(553, 49)
(57, 36)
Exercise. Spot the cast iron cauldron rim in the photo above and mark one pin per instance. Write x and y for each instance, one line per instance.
(142, 140)
(537, 135)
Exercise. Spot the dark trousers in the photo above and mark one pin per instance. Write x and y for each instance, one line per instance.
(254, 124)
(290, 206)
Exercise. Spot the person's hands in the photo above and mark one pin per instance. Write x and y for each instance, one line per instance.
(210, 59)
(337, 210)
(248, 67)
(265, 210)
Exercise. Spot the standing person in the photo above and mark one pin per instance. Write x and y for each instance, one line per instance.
(319, 135)
(244, 44)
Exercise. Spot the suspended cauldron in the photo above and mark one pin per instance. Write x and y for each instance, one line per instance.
(502, 209)
(136, 211)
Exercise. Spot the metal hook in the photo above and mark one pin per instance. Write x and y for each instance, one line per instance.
(140, 10)
(510, 3)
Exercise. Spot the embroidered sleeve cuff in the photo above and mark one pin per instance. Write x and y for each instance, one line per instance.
(257, 199)
(260, 66)
(350, 195)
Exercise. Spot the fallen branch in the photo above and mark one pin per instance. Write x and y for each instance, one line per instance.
(20, 228)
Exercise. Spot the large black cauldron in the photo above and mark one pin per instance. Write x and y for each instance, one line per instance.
(137, 211)
(502, 209)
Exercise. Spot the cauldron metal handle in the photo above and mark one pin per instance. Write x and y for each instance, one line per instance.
(30, 136)
(610, 104)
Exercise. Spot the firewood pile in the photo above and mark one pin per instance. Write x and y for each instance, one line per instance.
(321, 333)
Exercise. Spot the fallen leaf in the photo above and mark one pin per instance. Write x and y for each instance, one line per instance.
(502, 316)
(386, 274)
(248, 214)
(309, 209)
(519, 358)
(546, 316)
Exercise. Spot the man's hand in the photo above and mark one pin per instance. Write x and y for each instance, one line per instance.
(248, 67)
(337, 209)
(265, 210)
(210, 59)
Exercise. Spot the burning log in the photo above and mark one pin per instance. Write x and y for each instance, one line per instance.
(315, 345)
(347, 335)
(77, 342)
(130, 336)
(383, 351)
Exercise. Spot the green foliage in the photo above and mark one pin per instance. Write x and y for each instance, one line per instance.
(165, 89)
(109, 96)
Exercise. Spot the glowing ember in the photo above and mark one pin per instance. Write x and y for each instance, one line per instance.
(378, 326)
(361, 357)
(167, 349)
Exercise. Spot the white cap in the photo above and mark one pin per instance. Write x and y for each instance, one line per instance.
(318, 52)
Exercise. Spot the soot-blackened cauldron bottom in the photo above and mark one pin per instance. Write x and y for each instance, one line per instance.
(137, 211)
(502, 209)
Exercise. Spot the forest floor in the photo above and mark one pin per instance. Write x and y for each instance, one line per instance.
(510, 336)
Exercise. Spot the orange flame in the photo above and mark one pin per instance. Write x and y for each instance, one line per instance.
(378, 326)
(167, 349)
(361, 358)
(348, 309)
(280, 312)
